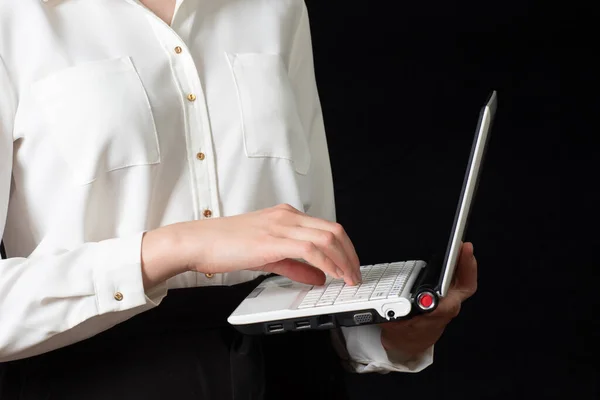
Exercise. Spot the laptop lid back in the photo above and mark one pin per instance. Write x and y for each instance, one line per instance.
(469, 188)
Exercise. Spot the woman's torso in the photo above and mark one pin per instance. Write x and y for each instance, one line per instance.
(125, 124)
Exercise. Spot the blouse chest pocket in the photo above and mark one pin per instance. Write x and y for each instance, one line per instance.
(99, 117)
(270, 120)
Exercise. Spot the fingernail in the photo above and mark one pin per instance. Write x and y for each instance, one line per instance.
(340, 273)
(358, 278)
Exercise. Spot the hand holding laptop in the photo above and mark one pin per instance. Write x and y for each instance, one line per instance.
(413, 336)
(390, 291)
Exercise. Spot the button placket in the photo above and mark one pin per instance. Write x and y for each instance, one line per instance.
(198, 133)
(199, 140)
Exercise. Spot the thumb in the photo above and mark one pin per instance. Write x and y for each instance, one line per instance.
(297, 271)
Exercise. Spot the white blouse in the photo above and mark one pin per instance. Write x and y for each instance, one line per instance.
(112, 123)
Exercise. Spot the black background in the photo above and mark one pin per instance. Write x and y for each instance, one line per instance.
(402, 84)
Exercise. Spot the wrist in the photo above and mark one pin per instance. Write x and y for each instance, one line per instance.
(161, 256)
(400, 350)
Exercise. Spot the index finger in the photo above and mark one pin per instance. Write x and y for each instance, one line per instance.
(340, 233)
(338, 230)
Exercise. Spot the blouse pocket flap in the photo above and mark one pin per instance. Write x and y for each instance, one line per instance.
(271, 123)
(99, 117)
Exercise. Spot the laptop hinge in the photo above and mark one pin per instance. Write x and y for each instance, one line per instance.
(429, 277)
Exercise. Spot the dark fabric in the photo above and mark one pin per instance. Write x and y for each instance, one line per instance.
(183, 349)
(303, 365)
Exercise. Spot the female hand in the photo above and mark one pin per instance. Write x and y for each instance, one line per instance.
(414, 336)
(271, 239)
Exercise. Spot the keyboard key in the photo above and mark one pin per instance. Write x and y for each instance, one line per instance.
(367, 287)
(396, 291)
(333, 289)
(328, 296)
(307, 305)
(396, 266)
(379, 267)
(399, 284)
(322, 303)
(353, 299)
(312, 300)
(367, 284)
(349, 293)
(385, 289)
(379, 295)
(380, 281)
(349, 290)
(387, 281)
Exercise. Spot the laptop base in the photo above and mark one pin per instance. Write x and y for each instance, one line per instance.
(316, 322)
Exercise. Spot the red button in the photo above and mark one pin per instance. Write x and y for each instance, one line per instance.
(426, 300)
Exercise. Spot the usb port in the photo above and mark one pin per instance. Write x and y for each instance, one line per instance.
(275, 328)
(325, 321)
(302, 324)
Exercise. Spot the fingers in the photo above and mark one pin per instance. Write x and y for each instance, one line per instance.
(308, 251)
(328, 243)
(344, 253)
(466, 275)
(340, 234)
(448, 309)
(297, 271)
(465, 285)
(418, 324)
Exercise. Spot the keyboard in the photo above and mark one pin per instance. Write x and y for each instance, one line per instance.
(380, 281)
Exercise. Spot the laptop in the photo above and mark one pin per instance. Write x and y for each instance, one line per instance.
(388, 292)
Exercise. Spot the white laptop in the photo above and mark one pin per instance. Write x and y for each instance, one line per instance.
(389, 291)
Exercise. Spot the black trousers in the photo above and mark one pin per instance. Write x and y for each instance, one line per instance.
(183, 349)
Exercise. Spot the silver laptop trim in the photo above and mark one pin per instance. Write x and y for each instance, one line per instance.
(468, 191)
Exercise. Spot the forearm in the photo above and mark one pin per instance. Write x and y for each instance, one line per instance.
(57, 299)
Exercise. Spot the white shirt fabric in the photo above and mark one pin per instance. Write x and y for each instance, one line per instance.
(113, 123)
